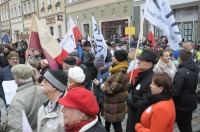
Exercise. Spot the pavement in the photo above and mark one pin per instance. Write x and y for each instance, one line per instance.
(195, 122)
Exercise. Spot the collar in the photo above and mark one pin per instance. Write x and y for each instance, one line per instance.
(164, 65)
(24, 86)
(89, 125)
(54, 105)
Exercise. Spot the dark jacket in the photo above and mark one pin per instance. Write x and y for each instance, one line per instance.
(184, 86)
(5, 75)
(87, 59)
(101, 77)
(139, 92)
(4, 60)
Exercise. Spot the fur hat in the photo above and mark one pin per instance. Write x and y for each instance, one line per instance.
(22, 71)
(148, 55)
(76, 74)
(99, 61)
(57, 78)
(121, 55)
(69, 60)
(81, 99)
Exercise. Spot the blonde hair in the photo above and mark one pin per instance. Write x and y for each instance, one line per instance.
(131, 54)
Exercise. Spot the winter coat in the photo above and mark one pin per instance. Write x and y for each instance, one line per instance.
(28, 98)
(159, 117)
(139, 92)
(184, 86)
(114, 94)
(168, 68)
(5, 75)
(50, 120)
(101, 77)
(93, 126)
(87, 59)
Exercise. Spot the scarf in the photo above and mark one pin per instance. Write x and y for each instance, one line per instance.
(123, 64)
(148, 102)
(73, 85)
(76, 127)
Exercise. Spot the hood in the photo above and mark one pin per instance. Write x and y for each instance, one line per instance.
(189, 64)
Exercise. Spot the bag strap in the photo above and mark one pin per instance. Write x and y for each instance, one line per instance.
(33, 102)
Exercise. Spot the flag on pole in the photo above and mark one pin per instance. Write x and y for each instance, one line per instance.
(151, 37)
(69, 41)
(101, 47)
(41, 38)
(159, 13)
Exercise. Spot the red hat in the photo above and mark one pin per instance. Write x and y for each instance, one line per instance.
(82, 99)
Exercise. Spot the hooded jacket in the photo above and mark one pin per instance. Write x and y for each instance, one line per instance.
(184, 86)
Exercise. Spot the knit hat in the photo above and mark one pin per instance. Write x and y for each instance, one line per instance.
(121, 55)
(99, 61)
(69, 60)
(74, 53)
(22, 71)
(57, 78)
(76, 74)
(176, 54)
(81, 99)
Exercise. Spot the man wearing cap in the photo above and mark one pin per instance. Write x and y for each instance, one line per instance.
(28, 99)
(80, 110)
(6, 75)
(50, 117)
(141, 88)
(68, 63)
(88, 60)
(75, 55)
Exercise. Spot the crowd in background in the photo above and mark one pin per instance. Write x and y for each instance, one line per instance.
(163, 88)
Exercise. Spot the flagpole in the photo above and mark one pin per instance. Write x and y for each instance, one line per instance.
(140, 36)
(29, 39)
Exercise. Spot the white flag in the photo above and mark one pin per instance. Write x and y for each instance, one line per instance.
(26, 125)
(69, 40)
(159, 13)
(101, 48)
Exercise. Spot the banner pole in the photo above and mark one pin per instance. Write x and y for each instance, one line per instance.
(140, 36)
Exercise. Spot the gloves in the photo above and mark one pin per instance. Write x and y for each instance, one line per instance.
(128, 87)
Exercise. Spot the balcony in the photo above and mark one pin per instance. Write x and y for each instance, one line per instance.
(57, 4)
(42, 9)
(49, 7)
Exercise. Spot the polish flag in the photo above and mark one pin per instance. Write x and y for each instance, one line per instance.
(41, 38)
(151, 37)
(69, 41)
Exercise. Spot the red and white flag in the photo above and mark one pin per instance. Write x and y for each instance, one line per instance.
(41, 38)
(69, 41)
(151, 37)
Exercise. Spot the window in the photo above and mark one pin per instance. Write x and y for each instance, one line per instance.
(16, 12)
(34, 5)
(19, 11)
(11, 15)
(49, 2)
(24, 8)
(29, 7)
(187, 31)
(51, 30)
(42, 3)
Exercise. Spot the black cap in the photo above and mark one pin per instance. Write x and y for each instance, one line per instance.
(87, 43)
(74, 53)
(69, 60)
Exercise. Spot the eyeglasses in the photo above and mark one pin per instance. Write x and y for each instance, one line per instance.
(14, 59)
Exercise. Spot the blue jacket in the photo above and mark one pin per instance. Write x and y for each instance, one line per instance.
(5, 75)
(101, 77)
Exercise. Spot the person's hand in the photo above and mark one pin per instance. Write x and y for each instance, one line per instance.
(128, 87)
(102, 87)
(96, 82)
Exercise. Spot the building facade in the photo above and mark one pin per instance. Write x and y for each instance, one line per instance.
(5, 22)
(52, 13)
(187, 16)
(112, 16)
(16, 19)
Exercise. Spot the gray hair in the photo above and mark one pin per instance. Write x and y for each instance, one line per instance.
(33, 61)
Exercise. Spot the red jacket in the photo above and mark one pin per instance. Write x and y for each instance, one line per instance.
(159, 117)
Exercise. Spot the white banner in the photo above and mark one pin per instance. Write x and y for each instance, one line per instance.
(68, 42)
(101, 47)
(159, 13)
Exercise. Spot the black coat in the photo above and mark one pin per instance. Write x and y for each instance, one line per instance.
(139, 92)
(184, 86)
(96, 128)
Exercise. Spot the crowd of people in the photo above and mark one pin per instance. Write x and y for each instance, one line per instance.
(86, 88)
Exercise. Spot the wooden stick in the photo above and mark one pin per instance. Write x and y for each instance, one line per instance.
(140, 36)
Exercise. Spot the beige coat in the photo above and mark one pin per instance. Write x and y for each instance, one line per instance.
(50, 120)
(29, 98)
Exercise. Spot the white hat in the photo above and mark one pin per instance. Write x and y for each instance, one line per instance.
(76, 74)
